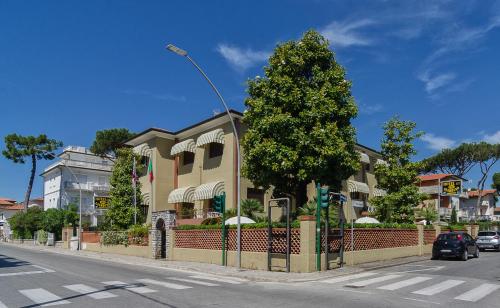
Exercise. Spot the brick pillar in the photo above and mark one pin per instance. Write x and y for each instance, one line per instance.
(420, 228)
(474, 231)
(469, 229)
(307, 244)
(438, 229)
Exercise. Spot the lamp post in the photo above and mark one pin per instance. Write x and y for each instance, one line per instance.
(184, 53)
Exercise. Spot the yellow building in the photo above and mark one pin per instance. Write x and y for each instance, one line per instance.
(194, 164)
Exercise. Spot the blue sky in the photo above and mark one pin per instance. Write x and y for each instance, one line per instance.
(69, 68)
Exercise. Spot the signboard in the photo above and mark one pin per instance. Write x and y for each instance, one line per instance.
(101, 202)
(451, 187)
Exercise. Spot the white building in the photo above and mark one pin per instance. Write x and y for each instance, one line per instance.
(77, 168)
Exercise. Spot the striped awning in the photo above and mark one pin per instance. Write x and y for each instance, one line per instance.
(184, 146)
(143, 150)
(364, 157)
(355, 186)
(183, 194)
(377, 192)
(216, 136)
(208, 190)
(146, 199)
(381, 161)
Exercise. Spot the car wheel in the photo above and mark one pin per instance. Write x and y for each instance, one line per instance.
(435, 257)
(476, 254)
(465, 255)
(481, 249)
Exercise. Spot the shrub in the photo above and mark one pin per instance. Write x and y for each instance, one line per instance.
(42, 236)
(114, 238)
(138, 234)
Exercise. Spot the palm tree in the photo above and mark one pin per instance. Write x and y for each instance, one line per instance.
(19, 147)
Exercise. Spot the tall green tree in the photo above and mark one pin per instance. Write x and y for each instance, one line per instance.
(299, 120)
(496, 182)
(121, 210)
(18, 148)
(399, 175)
(108, 141)
(486, 155)
(458, 161)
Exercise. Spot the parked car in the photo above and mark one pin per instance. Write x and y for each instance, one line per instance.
(488, 240)
(455, 244)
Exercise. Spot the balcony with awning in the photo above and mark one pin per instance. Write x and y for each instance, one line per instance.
(364, 158)
(208, 190)
(182, 195)
(214, 136)
(184, 146)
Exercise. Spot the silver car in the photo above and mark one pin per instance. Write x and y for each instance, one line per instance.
(488, 240)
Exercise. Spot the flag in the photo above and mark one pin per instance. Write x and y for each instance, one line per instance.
(150, 170)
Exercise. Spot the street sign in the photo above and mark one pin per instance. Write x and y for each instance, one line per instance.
(451, 188)
(101, 202)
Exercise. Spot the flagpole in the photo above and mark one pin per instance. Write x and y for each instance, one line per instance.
(134, 181)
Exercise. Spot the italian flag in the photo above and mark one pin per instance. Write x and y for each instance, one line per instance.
(150, 170)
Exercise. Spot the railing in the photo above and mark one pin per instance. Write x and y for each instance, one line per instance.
(83, 164)
(75, 186)
(197, 213)
(429, 189)
(101, 187)
(443, 211)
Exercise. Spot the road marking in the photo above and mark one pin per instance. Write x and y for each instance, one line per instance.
(2, 305)
(47, 270)
(44, 297)
(219, 279)
(131, 287)
(165, 284)
(89, 291)
(350, 277)
(365, 283)
(202, 283)
(478, 293)
(440, 287)
(404, 283)
(421, 300)
(21, 273)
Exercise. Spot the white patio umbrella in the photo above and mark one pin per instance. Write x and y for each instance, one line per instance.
(366, 220)
(243, 220)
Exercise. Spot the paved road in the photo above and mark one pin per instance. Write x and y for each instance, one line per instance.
(30, 278)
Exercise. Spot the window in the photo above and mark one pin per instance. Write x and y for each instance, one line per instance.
(102, 180)
(256, 194)
(356, 196)
(215, 149)
(187, 158)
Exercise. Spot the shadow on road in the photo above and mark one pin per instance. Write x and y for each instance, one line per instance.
(6, 262)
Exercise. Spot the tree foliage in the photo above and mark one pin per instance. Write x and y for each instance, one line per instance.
(399, 175)
(250, 207)
(108, 141)
(121, 211)
(496, 181)
(299, 120)
(458, 161)
(486, 155)
(18, 148)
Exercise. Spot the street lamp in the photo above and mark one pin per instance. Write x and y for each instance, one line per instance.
(184, 53)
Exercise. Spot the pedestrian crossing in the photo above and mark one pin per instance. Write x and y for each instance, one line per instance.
(425, 286)
(112, 289)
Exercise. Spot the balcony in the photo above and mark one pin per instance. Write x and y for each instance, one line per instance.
(429, 189)
(443, 211)
(82, 164)
(70, 185)
(101, 187)
(186, 213)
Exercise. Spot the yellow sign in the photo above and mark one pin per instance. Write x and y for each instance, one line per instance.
(101, 202)
(451, 187)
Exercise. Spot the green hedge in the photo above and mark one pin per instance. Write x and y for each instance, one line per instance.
(296, 224)
(114, 238)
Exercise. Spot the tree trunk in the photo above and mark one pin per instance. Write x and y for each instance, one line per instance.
(30, 184)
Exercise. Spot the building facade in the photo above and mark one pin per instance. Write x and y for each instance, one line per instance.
(193, 165)
(485, 211)
(77, 169)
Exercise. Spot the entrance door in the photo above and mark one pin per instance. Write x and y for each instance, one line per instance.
(160, 226)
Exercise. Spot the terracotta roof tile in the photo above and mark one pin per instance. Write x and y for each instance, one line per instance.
(430, 177)
(475, 193)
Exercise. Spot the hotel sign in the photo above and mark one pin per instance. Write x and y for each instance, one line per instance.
(101, 202)
(451, 187)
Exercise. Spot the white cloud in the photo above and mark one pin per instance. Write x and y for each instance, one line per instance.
(369, 109)
(346, 34)
(242, 59)
(494, 138)
(436, 81)
(437, 143)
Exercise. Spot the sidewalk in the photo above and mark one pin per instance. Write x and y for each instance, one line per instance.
(213, 269)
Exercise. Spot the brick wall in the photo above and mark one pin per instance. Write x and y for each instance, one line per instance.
(367, 239)
(91, 237)
(429, 236)
(254, 240)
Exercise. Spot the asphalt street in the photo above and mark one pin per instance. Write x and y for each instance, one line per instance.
(30, 278)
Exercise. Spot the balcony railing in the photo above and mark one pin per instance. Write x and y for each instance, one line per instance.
(82, 164)
(443, 211)
(197, 213)
(71, 185)
(429, 189)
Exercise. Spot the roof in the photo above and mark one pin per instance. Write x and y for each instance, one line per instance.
(475, 193)
(6, 201)
(16, 207)
(439, 176)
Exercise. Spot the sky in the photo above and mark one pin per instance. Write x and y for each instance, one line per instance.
(70, 68)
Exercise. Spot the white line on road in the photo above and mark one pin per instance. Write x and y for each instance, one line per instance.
(365, 283)
(21, 273)
(404, 283)
(202, 283)
(130, 287)
(420, 300)
(89, 291)
(47, 270)
(165, 284)
(350, 277)
(2, 305)
(219, 279)
(440, 287)
(43, 297)
(478, 293)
